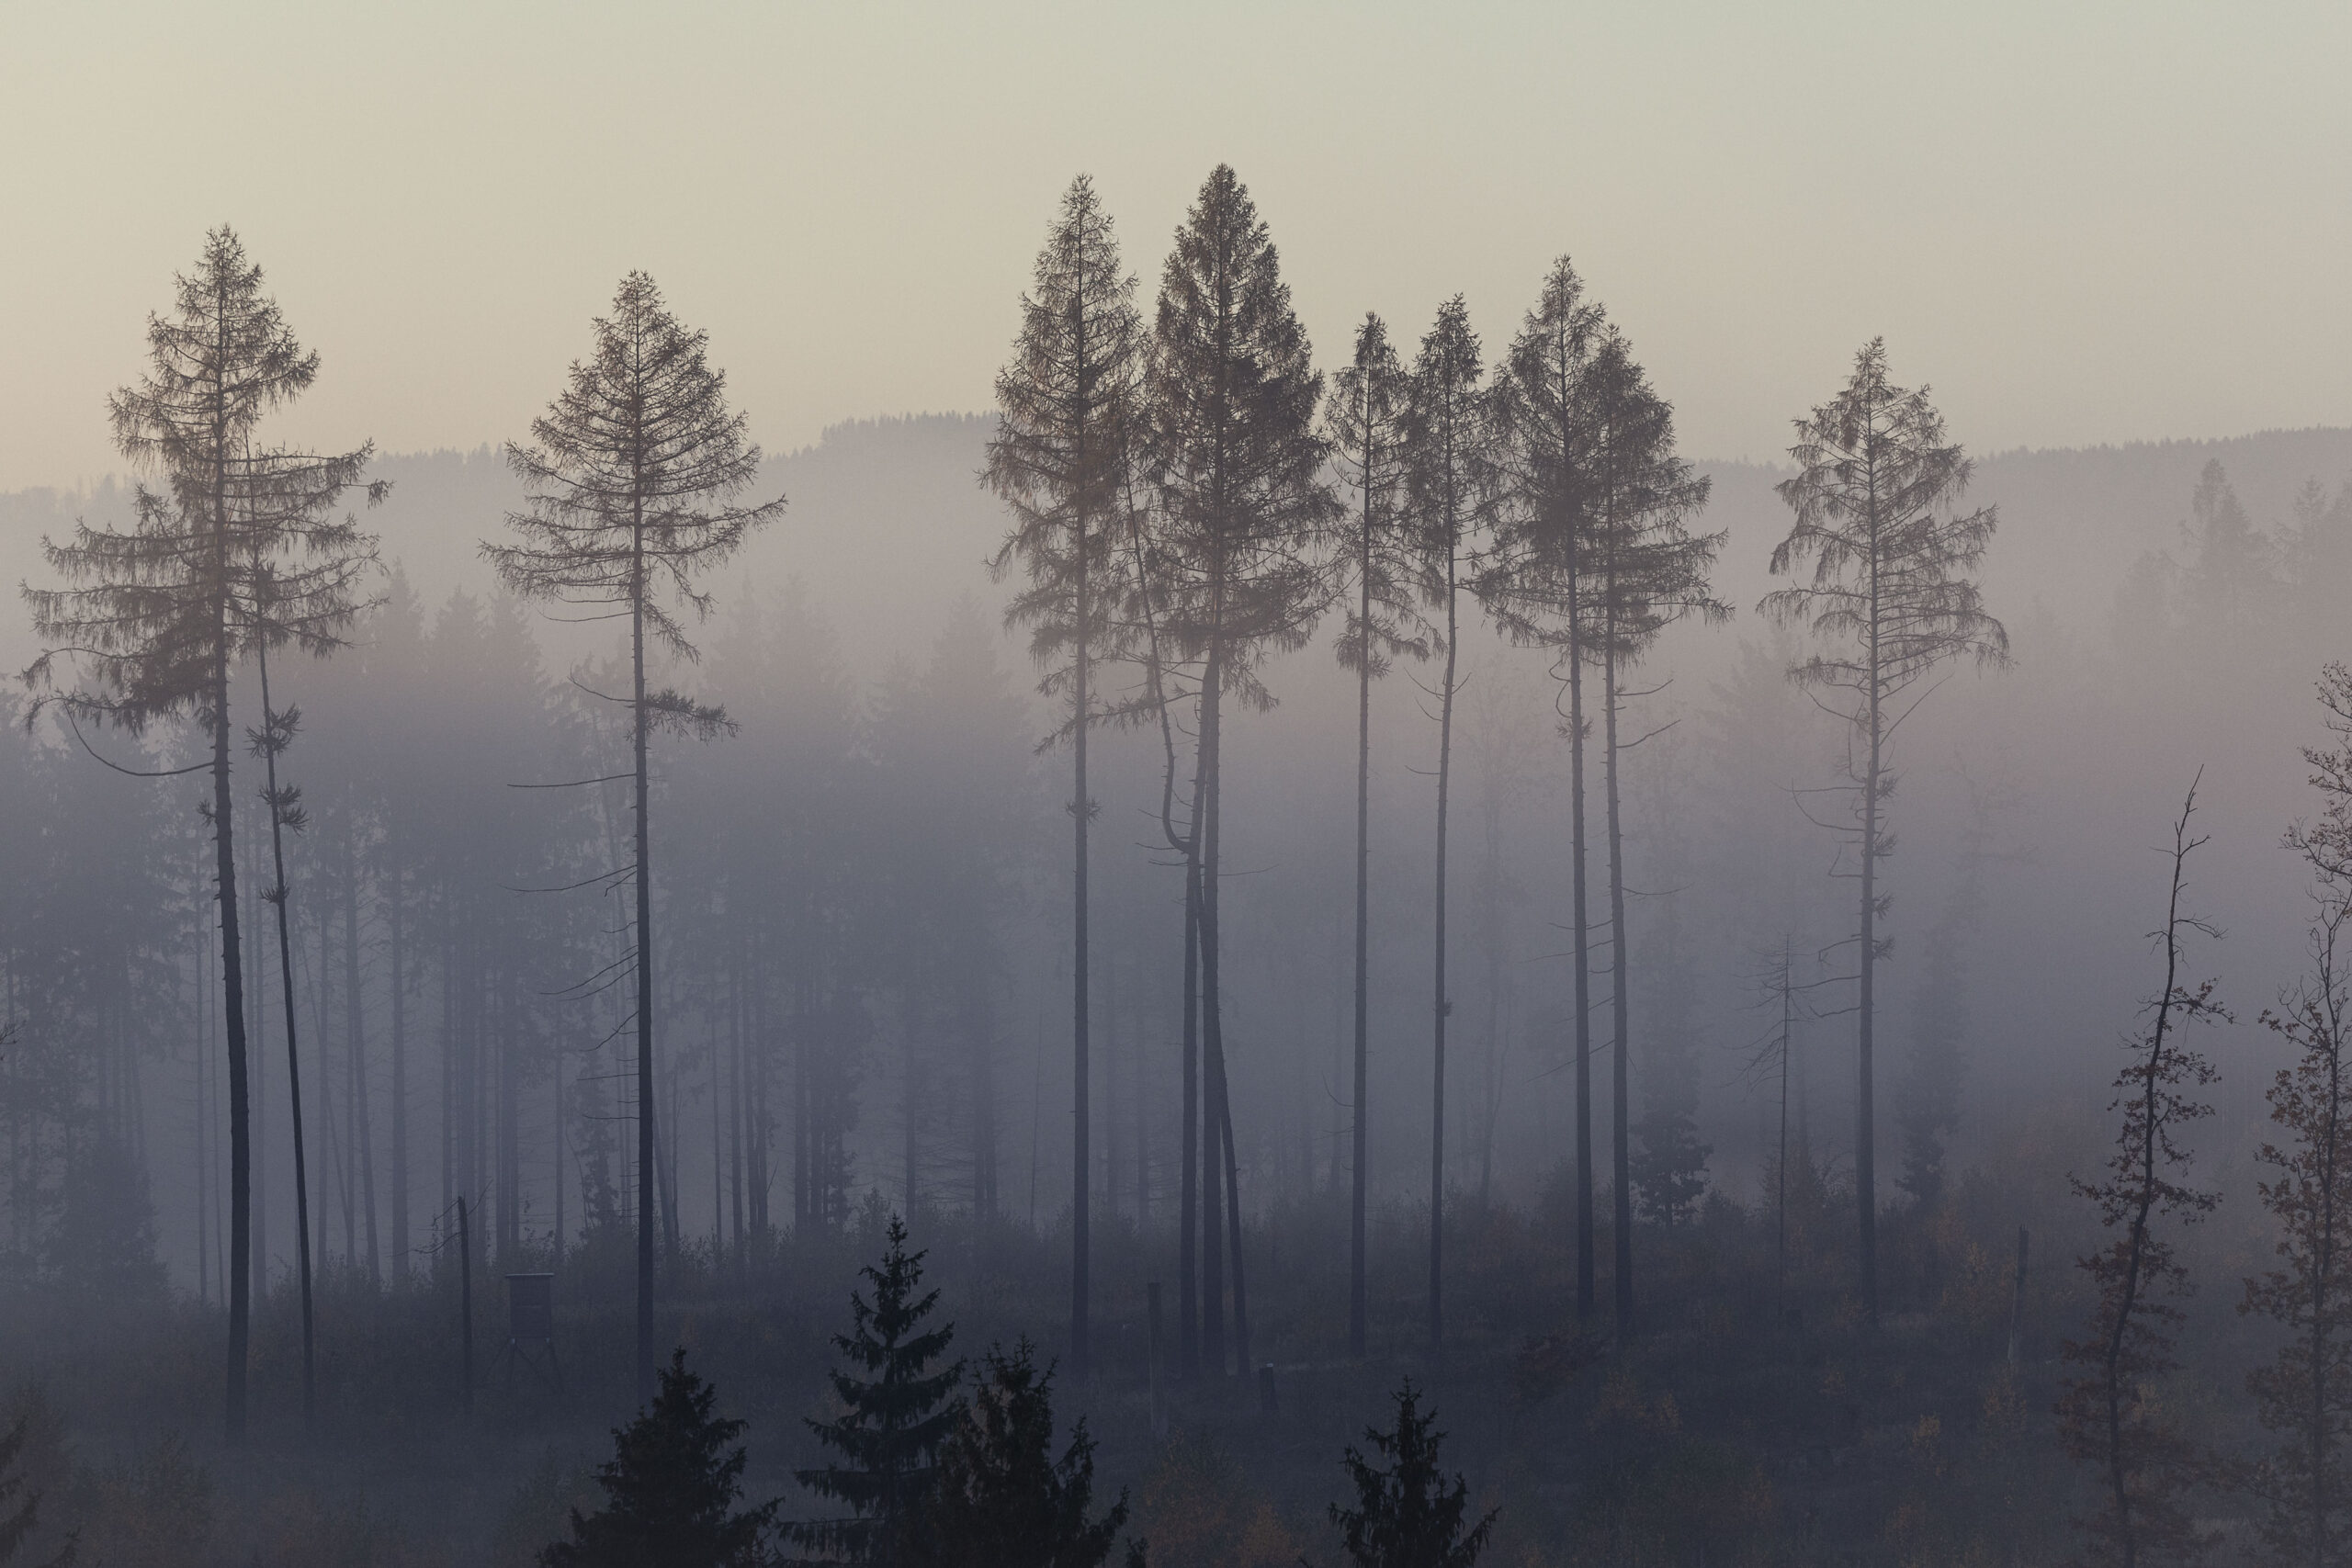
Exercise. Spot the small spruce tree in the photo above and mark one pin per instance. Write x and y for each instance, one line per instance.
(669, 1490)
(897, 1414)
(1407, 1514)
(999, 1498)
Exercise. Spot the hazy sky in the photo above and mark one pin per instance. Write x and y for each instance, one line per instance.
(2081, 222)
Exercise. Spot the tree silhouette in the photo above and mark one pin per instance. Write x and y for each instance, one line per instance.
(2304, 1395)
(1535, 584)
(669, 1490)
(1645, 569)
(1236, 465)
(1407, 1514)
(631, 477)
(1876, 520)
(897, 1413)
(1449, 480)
(2146, 1462)
(1000, 1498)
(1364, 423)
(156, 616)
(1057, 459)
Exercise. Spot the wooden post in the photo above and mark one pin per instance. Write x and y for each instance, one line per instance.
(466, 1301)
(2017, 1298)
(1159, 1414)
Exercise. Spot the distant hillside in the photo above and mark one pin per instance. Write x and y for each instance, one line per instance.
(887, 524)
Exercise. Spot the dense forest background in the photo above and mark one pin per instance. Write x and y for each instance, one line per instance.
(865, 986)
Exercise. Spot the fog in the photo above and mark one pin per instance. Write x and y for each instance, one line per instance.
(1872, 1092)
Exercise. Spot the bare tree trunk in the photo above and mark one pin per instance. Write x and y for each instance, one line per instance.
(1081, 1151)
(1211, 1035)
(354, 1032)
(1866, 1105)
(1188, 1329)
(1621, 1215)
(1581, 921)
(280, 896)
(644, 880)
(1442, 1005)
(237, 1270)
(1358, 1304)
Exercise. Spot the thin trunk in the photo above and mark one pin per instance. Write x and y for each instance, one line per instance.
(1583, 936)
(1358, 1306)
(203, 1172)
(1866, 1106)
(735, 1121)
(1082, 1153)
(1621, 1217)
(2323, 1309)
(354, 1027)
(644, 880)
(1188, 1325)
(1111, 1075)
(1212, 1035)
(293, 1061)
(400, 1089)
(1442, 1005)
(240, 1265)
(1781, 1194)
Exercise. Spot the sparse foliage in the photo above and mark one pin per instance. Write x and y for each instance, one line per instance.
(2110, 1411)
(633, 477)
(1881, 553)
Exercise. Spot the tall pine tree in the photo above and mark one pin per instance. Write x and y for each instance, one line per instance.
(1068, 398)
(1236, 468)
(156, 617)
(1448, 479)
(1536, 584)
(1888, 551)
(1364, 421)
(632, 477)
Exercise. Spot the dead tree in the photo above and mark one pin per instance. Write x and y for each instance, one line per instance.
(2146, 1463)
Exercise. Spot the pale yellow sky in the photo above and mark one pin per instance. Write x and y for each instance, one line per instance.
(2081, 222)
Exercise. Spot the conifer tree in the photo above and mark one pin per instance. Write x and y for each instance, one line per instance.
(1877, 522)
(1236, 469)
(632, 477)
(1646, 570)
(1000, 1498)
(1536, 585)
(897, 1413)
(155, 618)
(1364, 422)
(1407, 1514)
(1448, 479)
(2304, 1395)
(1068, 398)
(671, 1490)
(2146, 1462)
